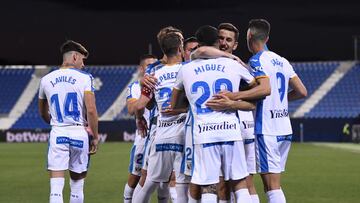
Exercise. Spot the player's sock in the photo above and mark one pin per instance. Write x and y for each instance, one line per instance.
(232, 197)
(242, 195)
(255, 198)
(224, 201)
(145, 193)
(181, 192)
(136, 191)
(209, 198)
(192, 200)
(128, 193)
(56, 188)
(76, 191)
(173, 194)
(276, 196)
(163, 192)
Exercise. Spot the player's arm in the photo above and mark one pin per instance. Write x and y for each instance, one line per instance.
(44, 110)
(298, 89)
(222, 103)
(258, 90)
(92, 118)
(211, 52)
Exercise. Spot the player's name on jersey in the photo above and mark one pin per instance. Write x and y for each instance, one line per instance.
(206, 127)
(165, 123)
(63, 79)
(277, 62)
(167, 76)
(209, 67)
(279, 113)
(248, 124)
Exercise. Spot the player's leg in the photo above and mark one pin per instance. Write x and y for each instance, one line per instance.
(172, 187)
(206, 170)
(250, 156)
(235, 169)
(78, 163)
(136, 159)
(223, 190)
(269, 157)
(194, 194)
(57, 163)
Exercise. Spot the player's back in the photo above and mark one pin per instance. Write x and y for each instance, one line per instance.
(64, 89)
(204, 78)
(272, 116)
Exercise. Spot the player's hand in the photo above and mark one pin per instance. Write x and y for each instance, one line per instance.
(227, 93)
(94, 146)
(141, 126)
(169, 111)
(220, 102)
(149, 81)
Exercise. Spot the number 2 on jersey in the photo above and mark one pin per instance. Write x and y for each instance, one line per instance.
(70, 107)
(206, 92)
(165, 92)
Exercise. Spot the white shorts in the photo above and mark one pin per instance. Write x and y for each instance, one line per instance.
(250, 155)
(136, 159)
(189, 149)
(210, 159)
(272, 153)
(165, 156)
(148, 144)
(68, 149)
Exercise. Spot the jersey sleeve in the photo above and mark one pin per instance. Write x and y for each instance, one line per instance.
(246, 76)
(41, 91)
(133, 92)
(256, 66)
(179, 80)
(290, 70)
(89, 85)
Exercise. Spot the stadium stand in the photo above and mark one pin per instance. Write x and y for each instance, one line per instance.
(313, 75)
(342, 101)
(13, 82)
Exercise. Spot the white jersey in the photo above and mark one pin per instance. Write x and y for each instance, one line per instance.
(166, 76)
(134, 93)
(272, 115)
(201, 79)
(64, 90)
(247, 124)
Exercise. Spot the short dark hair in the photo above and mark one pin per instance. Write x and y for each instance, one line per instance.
(259, 29)
(207, 35)
(229, 27)
(71, 45)
(170, 44)
(166, 30)
(189, 40)
(146, 56)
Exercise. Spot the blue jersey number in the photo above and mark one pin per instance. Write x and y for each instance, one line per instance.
(188, 154)
(165, 93)
(70, 108)
(222, 82)
(281, 82)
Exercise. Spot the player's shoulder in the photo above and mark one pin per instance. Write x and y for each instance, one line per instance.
(151, 67)
(134, 84)
(255, 60)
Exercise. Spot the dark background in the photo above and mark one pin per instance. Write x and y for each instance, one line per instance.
(118, 32)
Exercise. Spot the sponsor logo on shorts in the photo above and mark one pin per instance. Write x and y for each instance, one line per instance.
(165, 124)
(208, 127)
(279, 113)
(284, 138)
(71, 142)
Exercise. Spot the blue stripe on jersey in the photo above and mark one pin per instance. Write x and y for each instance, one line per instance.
(169, 147)
(132, 156)
(151, 66)
(218, 143)
(259, 117)
(249, 141)
(256, 65)
(266, 47)
(192, 137)
(182, 169)
(264, 166)
(284, 138)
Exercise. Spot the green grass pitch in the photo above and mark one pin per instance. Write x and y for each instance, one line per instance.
(318, 173)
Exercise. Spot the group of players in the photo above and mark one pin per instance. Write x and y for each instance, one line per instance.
(195, 120)
(209, 121)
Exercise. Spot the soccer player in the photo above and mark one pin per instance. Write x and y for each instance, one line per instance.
(168, 147)
(218, 145)
(190, 44)
(68, 94)
(137, 151)
(272, 123)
